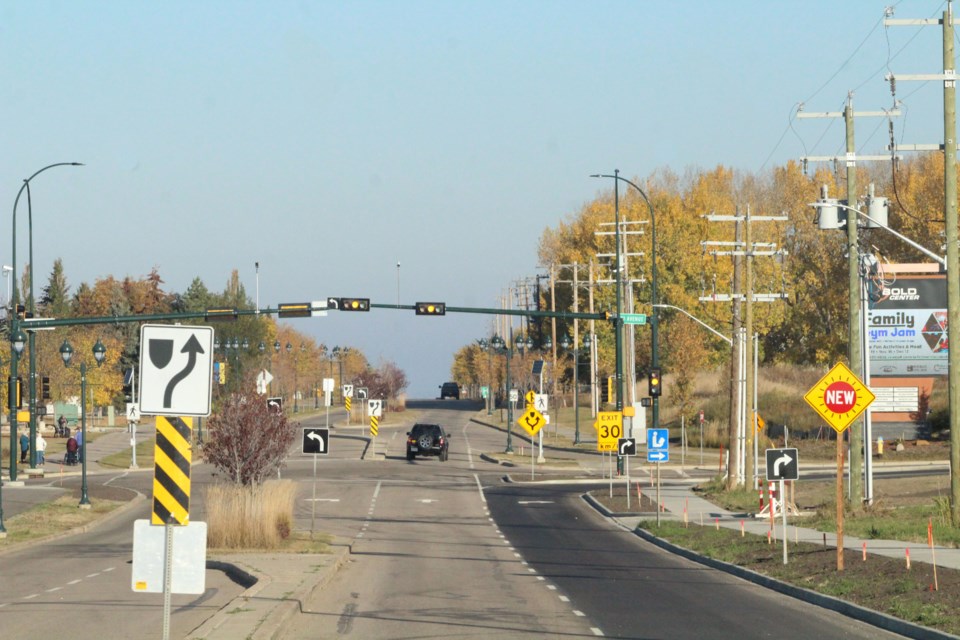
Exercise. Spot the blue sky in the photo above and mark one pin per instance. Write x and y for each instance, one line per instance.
(330, 140)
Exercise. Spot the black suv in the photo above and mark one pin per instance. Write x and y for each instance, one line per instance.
(428, 440)
(450, 390)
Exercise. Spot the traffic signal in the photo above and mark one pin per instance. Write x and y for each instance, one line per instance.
(431, 309)
(354, 304)
(45, 387)
(607, 391)
(655, 386)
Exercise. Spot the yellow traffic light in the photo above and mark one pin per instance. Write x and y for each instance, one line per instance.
(354, 304)
(431, 309)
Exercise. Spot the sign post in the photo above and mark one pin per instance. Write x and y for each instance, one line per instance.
(782, 464)
(839, 397)
(658, 450)
(609, 426)
(532, 421)
(316, 441)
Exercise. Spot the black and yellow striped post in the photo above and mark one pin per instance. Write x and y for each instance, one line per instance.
(171, 478)
(374, 425)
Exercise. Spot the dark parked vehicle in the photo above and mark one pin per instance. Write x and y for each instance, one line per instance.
(428, 440)
(450, 390)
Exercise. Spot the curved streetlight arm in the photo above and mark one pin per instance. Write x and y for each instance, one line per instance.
(26, 186)
(918, 247)
(698, 321)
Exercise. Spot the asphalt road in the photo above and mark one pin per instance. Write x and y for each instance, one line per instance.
(79, 587)
(631, 589)
(449, 550)
(439, 550)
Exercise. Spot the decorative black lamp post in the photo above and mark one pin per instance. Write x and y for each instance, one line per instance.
(99, 352)
(17, 342)
(575, 350)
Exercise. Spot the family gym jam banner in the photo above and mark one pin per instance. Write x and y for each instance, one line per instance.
(907, 326)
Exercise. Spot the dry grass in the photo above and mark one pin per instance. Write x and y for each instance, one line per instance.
(250, 517)
(50, 518)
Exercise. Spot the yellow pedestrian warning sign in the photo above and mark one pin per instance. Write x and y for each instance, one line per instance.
(530, 397)
(839, 397)
(531, 421)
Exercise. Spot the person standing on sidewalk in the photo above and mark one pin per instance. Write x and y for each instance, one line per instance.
(41, 448)
(79, 438)
(24, 446)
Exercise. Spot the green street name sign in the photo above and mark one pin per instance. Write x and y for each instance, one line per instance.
(634, 318)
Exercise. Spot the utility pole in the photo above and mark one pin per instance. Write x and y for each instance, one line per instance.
(743, 250)
(626, 230)
(949, 79)
(854, 354)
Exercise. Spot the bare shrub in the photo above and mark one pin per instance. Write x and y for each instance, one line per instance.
(247, 440)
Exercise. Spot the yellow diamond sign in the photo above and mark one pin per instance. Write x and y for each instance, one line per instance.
(531, 421)
(839, 397)
(530, 397)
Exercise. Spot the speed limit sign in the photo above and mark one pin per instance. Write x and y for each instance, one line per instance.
(609, 426)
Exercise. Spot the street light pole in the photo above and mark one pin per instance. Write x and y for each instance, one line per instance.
(99, 352)
(505, 348)
(15, 327)
(3, 531)
(565, 343)
(654, 323)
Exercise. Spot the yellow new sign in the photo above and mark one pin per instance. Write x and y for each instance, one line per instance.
(839, 397)
(609, 426)
(530, 397)
(531, 421)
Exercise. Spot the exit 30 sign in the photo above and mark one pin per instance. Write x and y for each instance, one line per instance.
(839, 397)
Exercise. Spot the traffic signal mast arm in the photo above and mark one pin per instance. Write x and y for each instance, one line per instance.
(41, 323)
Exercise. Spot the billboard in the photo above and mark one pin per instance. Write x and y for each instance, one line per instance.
(907, 326)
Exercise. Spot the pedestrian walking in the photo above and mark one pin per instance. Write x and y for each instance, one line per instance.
(61, 427)
(24, 446)
(79, 437)
(41, 448)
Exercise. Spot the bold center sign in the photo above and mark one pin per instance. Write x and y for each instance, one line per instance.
(839, 397)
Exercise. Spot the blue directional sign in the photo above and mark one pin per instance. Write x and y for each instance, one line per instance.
(659, 455)
(658, 439)
(658, 445)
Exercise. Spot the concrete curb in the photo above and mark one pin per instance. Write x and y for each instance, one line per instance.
(273, 624)
(875, 618)
(503, 463)
(276, 622)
